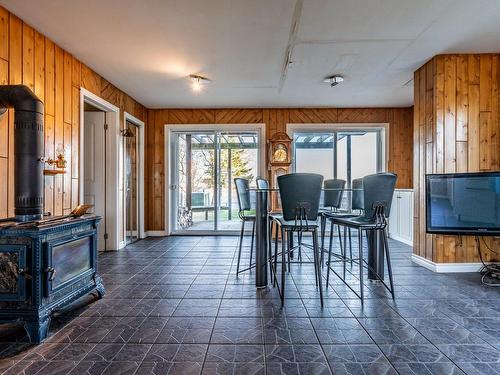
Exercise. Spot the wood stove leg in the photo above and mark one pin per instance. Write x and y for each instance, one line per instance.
(99, 288)
(37, 330)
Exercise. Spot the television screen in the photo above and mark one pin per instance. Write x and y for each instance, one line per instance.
(463, 203)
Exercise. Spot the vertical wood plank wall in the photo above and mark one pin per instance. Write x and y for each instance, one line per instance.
(400, 143)
(28, 57)
(456, 129)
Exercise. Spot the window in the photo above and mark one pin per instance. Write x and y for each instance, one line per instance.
(345, 154)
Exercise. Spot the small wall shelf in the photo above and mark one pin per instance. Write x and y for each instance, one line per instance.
(53, 172)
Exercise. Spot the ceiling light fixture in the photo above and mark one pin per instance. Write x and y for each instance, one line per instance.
(197, 82)
(334, 80)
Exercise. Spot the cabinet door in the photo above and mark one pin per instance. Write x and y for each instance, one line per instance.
(406, 216)
(394, 217)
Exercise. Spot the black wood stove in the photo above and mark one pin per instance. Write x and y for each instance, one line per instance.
(45, 264)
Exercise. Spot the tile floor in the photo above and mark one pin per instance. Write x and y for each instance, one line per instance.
(174, 306)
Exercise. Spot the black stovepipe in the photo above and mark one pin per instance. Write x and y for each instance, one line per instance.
(28, 150)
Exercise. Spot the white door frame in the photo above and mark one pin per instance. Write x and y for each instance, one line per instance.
(170, 128)
(114, 167)
(140, 178)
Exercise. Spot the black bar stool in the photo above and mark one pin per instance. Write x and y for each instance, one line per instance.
(243, 192)
(332, 199)
(300, 195)
(356, 196)
(378, 190)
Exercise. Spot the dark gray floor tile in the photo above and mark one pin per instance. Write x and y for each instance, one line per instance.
(420, 368)
(122, 368)
(235, 353)
(103, 352)
(293, 368)
(169, 368)
(176, 353)
(471, 353)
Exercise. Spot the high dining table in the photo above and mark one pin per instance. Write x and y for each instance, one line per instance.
(374, 243)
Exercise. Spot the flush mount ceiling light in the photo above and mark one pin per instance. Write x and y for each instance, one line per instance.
(334, 80)
(197, 82)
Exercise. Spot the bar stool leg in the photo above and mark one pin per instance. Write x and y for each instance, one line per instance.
(289, 253)
(329, 257)
(323, 230)
(350, 244)
(251, 246)
(388, 258)
(300, 246)
(241, 244)
(276, 254)
(317, 264)
(360, 243)
(342, 250)
(283, 265)
(270, 248)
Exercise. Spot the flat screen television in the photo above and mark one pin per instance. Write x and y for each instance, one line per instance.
(463, 203)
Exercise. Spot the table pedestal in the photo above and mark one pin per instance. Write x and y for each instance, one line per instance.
(261, 251)
(375, 254)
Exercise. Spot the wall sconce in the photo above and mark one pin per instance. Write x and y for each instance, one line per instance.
(127, 133)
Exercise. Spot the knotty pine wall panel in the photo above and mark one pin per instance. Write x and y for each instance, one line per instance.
(456, 129)
(400, 145)
(28, 57)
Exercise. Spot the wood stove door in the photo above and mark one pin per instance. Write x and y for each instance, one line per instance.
(69, 259)
(13, 272)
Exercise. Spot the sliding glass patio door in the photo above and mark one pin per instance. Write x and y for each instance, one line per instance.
(203, 167)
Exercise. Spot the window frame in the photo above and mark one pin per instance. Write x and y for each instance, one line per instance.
(381, 130)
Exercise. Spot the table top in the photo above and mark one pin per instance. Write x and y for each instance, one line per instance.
(322, 189)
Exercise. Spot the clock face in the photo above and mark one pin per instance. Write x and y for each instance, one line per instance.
(280, 153)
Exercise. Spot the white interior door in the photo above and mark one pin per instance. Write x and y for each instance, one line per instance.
(95, 168)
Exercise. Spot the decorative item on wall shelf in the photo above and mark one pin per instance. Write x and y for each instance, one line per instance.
(59, 163)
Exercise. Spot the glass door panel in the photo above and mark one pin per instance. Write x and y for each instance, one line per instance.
(204, 166)
(315, 153)
(131, 187)
(364, 155)
(194, 182)
(238, 157)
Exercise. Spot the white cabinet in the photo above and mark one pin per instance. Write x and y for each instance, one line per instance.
(401, 218)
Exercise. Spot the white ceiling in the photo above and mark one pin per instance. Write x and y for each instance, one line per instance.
(147, 48)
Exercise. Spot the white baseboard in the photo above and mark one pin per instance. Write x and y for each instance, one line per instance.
(401, 239)
(446, 267)
(156, 233)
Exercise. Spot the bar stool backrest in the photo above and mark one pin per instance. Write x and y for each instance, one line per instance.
(333, 198)
(300, 194)
(357, 194)
(262, 183)
(378, 190)
(242, 189)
